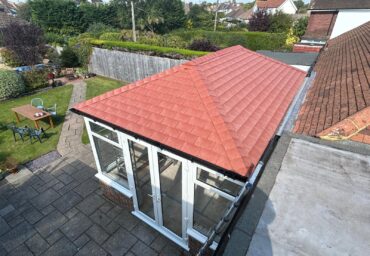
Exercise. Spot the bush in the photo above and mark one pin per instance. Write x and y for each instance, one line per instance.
(280, 22)
(35, 79)
(11, 84)
(82, 48)
(69, 58)
(251, 40)
(175, 42)
(299, 27)
(203, 45)
(112, 36)
(260, 21)
(96, 29)
(55, 39)
(154, 50)
(9, 58)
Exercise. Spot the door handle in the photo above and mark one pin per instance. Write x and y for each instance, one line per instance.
(150, 195)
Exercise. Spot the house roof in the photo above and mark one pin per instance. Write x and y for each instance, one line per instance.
(342, 85)
(292, 58)
(241, 14)
(221, 109)
(6, 19)
(339, 4)
(269, 3)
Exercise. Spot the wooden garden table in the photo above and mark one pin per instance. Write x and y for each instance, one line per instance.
(28, 111)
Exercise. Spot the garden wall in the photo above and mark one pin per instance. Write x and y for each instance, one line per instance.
(126, 66)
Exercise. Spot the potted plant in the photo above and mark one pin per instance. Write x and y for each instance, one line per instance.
(10, 165)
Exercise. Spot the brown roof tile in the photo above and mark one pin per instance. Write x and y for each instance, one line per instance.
(342, 85)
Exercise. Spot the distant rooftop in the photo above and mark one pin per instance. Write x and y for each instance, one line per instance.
(292, 58)
(339, 4)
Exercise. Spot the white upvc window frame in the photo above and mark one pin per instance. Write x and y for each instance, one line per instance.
(189, 180)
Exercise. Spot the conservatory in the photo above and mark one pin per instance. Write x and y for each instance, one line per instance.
(176, 148)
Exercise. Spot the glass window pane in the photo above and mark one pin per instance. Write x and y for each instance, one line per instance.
(209, 208)
(218, 181)
(170, 171)
(141, 171)
(104, 132)
(111, 161)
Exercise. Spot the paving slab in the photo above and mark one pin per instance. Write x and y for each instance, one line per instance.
(37, 244)
(50, 223)
(120, 242)
(17, 236)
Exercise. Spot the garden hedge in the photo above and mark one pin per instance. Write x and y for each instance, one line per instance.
(136, 47)
(251, 40)
(11, 84)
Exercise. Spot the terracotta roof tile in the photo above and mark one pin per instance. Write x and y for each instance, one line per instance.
(269, 3)
(222, 108)
(342, 85)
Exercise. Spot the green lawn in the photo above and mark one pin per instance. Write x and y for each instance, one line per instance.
(97, 86)
(25, 151)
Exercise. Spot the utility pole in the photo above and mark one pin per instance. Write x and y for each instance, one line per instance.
(133, 22)
(217, 6)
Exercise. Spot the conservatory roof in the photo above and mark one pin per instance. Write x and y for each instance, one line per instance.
(221, 109)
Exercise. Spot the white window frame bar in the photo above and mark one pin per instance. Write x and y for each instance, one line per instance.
(189, 173)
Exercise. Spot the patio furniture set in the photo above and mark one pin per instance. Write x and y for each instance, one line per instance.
(34, 112)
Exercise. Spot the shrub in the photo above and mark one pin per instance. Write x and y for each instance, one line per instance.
(299, 27)
(175, 42)
(112, 36)
(203, 45)
(55, 39)
(69, 58)
(260, 21)
(35, 79)
(96, 29)
(82, 48)
(155, 50)
(11, 84)
(251, 40)
(9, 58)
(280, 22)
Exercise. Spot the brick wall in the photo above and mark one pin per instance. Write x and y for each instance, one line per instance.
(306, 48)
(320, 24)
(117, 197)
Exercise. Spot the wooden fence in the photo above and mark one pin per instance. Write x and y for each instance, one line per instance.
(126, 66)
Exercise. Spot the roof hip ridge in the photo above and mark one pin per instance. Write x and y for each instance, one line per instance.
(196, 75)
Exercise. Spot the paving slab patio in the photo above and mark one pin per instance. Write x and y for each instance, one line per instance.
(60, 210)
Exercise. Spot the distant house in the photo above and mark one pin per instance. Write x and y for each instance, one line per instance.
(273, 6)
(329, 19)
(337, 105)
(176, 148)
(8, 7)
(240, 15)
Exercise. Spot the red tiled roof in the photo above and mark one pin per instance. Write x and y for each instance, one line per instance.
(269, 3)
(222, 108)
(342, 85)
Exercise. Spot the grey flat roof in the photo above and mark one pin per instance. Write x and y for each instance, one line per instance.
(313, 198)
(292, 58)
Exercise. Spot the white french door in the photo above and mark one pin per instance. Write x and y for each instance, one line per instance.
(160, 186)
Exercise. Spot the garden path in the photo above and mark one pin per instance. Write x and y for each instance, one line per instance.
(70, 137)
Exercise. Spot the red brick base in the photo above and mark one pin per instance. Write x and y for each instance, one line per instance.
(117, 197)
(194, 246)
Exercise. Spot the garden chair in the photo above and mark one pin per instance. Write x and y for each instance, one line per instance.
(38, 103)
(22, 132)
(36, 134)
(52, 110)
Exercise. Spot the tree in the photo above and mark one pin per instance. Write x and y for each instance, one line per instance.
(281, 22)
(299, 4)
(25, 41)
(69, 58)
(57, 16)
(260, 21)
(299, 27)
(24, 11)
(200, 17)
